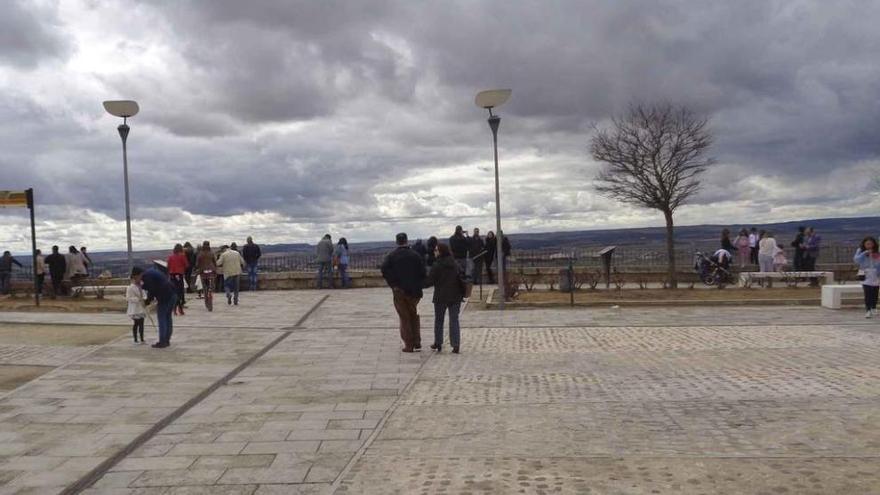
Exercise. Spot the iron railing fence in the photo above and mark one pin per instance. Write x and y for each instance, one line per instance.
(628, 256)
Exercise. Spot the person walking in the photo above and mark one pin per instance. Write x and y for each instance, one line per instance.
(753, 245)
(867, 258)
(160, 289)
(190, 254)
(743, 248)
(430, 251)
(798, 245)
(6, 262)
(40, 271)
(459, 245)
(324, 257)
(231, 263)
(177, 265)
(57, 268)
(477, 256)
(134, 294)
(340, 260)
(491, 249)
(766, 250)
(404, 271)
(219, 279)
(206, 265)
(251, 254)
(446, 278)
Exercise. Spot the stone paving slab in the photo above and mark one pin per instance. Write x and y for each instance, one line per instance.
(683, 400)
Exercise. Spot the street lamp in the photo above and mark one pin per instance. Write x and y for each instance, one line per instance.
(489, 100)
(124, 109)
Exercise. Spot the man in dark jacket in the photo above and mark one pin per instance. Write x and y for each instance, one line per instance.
(404, 271)
(6, 263)
(159, 287)
(459, 245)
(799, 249)
(476, 256)
(57, 267)
(251, 254)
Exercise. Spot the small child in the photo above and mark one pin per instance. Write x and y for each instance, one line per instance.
(779, 259)
(137, 311)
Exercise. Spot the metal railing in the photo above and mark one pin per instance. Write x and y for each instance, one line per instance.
(628, 256)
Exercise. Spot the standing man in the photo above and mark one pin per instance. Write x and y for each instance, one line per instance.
(324, 253)
(798, 245)
(57, 268)
(251, 253)
(489, 257)
(404, 271)
(459, 245)
(477, 256)
(158, 287)
(231, 263)
(6, 263)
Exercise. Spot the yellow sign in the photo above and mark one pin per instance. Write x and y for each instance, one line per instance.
(13, 199)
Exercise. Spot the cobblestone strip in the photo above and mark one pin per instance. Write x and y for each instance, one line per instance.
(94, 475)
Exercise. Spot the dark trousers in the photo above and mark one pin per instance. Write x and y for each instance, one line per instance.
(164, 309)
(137, 328)
(407, 311)
(41, 279)
(754, 255)
(57, 288)
(871, 293)
(477, 276)
(177, 280)
(454, 328)
(5, 278)
(489, 270)
(798, 262)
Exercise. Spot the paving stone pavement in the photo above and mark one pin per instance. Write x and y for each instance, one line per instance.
(676, 400)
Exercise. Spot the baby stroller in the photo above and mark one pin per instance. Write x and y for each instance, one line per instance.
(713, 270)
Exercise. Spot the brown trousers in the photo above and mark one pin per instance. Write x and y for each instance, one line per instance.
(407, 310)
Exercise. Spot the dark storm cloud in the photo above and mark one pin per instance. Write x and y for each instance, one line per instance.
(320, 111)
(28, 34)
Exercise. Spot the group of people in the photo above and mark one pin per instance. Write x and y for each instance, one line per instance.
(754, 247)
(64, 269)
(187, 270)
(447, 267)
(332, 259)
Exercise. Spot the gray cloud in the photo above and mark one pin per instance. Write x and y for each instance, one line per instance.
(28, 34)
(361, 113)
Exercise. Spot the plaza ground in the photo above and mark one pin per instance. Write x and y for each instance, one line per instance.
(306, 392)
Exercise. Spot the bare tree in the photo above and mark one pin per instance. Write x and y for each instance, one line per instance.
(653, 155)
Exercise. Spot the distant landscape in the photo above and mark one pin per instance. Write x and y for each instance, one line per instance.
(833, 231)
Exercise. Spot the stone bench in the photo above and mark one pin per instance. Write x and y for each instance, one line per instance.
(832, 295)
(745, 278)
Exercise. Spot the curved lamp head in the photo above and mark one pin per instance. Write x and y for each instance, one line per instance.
(492, 98)
(121, 108)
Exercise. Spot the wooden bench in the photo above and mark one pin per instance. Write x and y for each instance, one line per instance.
(832, 295)
(746, 278)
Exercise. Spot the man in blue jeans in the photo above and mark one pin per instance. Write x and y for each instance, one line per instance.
(251, 254)
(159, 287)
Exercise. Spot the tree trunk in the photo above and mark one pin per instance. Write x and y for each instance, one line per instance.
(670, 250)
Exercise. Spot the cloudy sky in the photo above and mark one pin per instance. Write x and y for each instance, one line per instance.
(285, 120)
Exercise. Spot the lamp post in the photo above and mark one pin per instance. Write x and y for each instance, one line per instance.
(124, 109)
(490, 99)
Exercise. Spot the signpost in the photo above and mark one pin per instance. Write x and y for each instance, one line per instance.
(25, 199)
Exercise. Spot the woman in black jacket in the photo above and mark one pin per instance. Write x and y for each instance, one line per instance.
(445, 277)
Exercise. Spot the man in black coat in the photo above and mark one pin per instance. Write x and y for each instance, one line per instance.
(477, 256)
(251, 254)
(404, 271)
(459, 244)
(57, 267)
